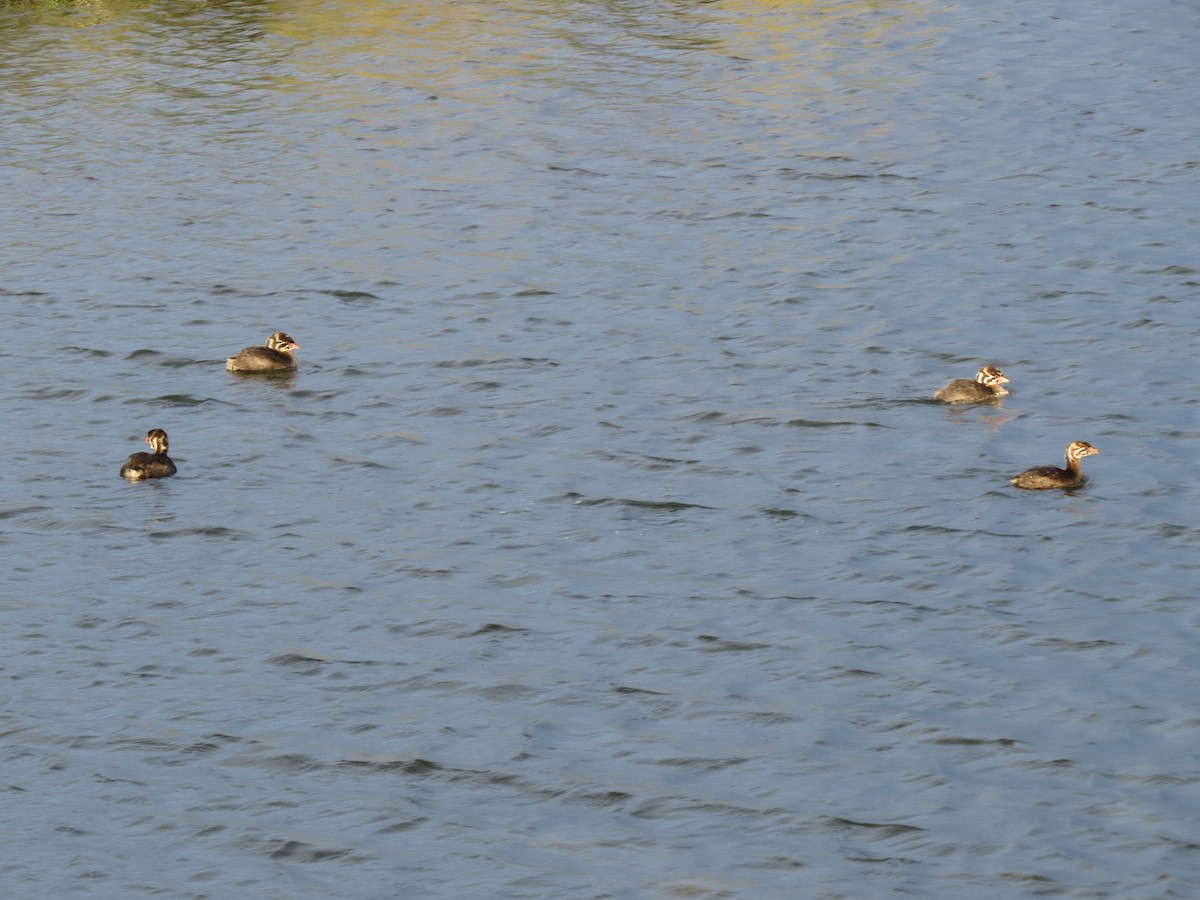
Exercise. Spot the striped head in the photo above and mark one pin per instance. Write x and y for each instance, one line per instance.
(990, 376)
(1077, 450)
(281, 341)
(157, 439)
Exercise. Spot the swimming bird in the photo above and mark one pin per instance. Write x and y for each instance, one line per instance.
(157, 464)
(274, 356)
(986, 386)
(1044, 477)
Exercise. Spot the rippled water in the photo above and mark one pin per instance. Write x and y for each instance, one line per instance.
(606, 543)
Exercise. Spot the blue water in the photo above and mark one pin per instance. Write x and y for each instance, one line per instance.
(606, 542)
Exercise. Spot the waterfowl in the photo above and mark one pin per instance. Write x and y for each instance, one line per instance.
(986, 386)
(1044, 477)
(157, 464)
(274, 356)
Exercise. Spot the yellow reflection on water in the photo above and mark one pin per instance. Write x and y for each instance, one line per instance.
(736, 51)
(773, 70)
(439, 46)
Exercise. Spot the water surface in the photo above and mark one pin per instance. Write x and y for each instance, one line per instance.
(606, 542)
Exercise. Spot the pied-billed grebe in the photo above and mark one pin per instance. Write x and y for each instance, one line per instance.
(986, 386)
(141, 466)
(276, 356)
(1043, 477)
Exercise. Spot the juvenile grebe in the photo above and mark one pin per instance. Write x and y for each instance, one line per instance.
(986, 386)
(1043, 477)
(275, 356)
(141, 466)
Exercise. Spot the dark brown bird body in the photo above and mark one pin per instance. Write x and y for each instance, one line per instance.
(274, 356)
(986, 386)
(1045, 477)
(141, 466)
